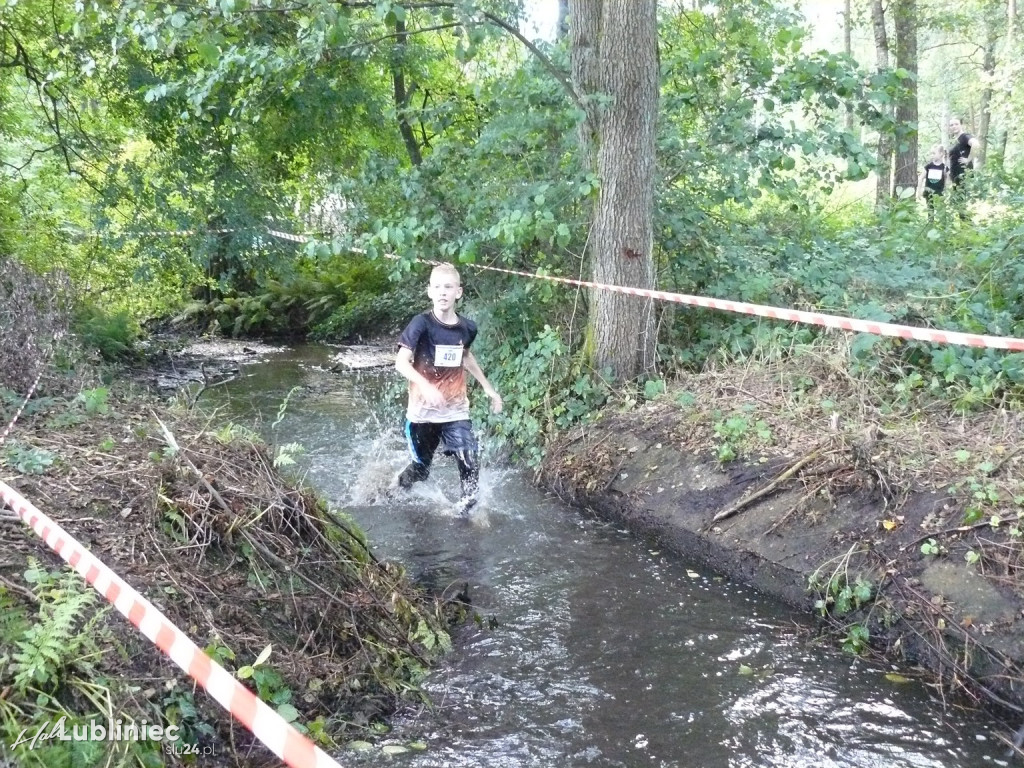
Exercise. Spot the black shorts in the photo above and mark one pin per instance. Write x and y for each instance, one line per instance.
(424, 437)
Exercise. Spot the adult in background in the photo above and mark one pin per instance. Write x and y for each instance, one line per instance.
(961, 160)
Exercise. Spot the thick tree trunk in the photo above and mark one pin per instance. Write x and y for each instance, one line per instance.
(979, 154)
(906, 107)
(615, 54)
(883, 188)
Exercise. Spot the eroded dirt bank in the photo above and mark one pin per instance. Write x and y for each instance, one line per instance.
(898, 525)
(273, 583)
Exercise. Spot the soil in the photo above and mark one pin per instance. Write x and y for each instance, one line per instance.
(898, 519)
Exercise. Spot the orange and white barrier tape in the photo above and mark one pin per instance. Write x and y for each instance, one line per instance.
(775, 313)
(188, 232)
(179, 232)
(268, 726)
(792, 315)
(287, 236)
(10, 424)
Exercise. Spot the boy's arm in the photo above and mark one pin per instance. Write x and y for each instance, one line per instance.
(403, 364)
(470, 364)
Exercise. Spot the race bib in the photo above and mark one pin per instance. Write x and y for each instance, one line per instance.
(934, 174)
(447, 356)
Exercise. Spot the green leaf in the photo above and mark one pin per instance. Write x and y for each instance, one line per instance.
(209, 53)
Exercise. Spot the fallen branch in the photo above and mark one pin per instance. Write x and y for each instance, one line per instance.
(947, 532)
(793, 510)
(770, 488)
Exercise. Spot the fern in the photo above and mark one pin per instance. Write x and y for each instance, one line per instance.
(51, 645)
(14, 622)
(13, 618)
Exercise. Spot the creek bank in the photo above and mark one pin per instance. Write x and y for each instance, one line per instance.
(198, 518)
(173, 364)
(901, 531)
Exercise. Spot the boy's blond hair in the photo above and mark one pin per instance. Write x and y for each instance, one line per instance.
(447, 268)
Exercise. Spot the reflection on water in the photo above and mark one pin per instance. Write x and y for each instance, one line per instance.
(606, 651)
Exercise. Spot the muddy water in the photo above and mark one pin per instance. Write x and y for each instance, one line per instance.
(593, 649)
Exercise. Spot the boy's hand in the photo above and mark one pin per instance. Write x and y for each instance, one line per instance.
(431, 396)
(496, 403)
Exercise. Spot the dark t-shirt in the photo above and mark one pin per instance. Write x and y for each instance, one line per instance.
(437, 352)
(961, 148)
(934, 178)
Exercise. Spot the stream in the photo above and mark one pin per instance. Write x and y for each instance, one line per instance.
(593, 648)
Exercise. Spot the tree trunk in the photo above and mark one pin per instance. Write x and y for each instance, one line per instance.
(883, 189)
(906, 107)
(615, 54)
(1011, 26)
(993, 147)
(585, 32)
(848, 50)
(402, 94)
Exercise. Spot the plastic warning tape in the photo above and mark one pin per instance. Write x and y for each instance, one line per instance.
(187, 232)
(287, 236)
(775, 313)
(269, 727)
(179, 232)
(10, 424)
(792, 315)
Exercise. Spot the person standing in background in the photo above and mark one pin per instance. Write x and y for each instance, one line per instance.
(961, 160)
(932, 181)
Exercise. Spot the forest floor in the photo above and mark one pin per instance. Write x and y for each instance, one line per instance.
(879, 509)
(197, 517)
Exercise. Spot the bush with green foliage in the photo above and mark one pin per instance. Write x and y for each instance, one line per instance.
(545, 390)
(892, 266)
(111, 333)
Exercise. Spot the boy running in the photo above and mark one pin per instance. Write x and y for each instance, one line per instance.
(433, 354)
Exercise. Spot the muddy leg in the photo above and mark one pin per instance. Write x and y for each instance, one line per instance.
(469, 475)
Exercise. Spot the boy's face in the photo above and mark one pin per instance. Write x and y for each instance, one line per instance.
(444, 289)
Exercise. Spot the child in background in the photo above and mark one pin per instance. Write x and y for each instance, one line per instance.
(932, 181)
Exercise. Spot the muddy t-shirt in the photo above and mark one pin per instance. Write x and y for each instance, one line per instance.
(437, 352)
